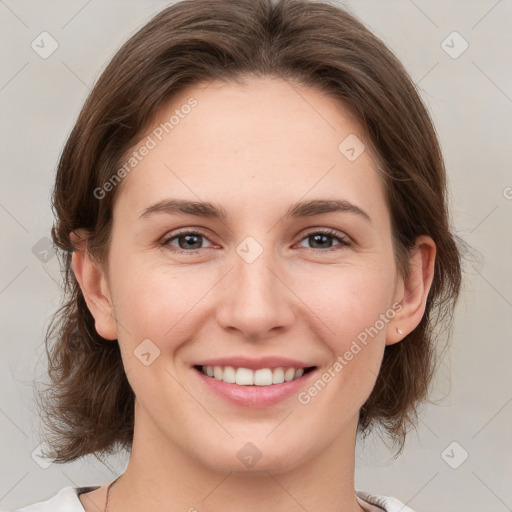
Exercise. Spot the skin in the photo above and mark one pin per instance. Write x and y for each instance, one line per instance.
(254, 149)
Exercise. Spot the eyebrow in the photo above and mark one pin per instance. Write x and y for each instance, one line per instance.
(210, 210)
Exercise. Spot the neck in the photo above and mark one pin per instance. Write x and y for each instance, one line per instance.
(160, 476)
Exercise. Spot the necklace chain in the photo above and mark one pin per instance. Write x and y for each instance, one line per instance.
(108, 492)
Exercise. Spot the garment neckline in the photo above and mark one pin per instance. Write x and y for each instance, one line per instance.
(83, 490)
(362, 501)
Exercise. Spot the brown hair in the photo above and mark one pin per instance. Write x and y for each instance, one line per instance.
(89, 405)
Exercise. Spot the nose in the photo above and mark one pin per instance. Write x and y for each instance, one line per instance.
(256, 300)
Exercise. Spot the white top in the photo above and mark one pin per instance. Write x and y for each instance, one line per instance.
(66, 500)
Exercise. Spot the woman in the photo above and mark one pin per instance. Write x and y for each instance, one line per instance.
(253, 205)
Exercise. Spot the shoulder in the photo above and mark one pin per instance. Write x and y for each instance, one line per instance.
(66, 500)
(386, 503)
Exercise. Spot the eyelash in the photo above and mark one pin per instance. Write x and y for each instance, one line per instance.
(344, 242)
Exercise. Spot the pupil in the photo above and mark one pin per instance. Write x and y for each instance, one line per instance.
(188, 238)
(319, 236)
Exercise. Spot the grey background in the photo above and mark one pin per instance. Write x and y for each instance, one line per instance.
(470, 98)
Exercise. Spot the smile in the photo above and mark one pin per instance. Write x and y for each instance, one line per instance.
(254, 388)
(247, 377)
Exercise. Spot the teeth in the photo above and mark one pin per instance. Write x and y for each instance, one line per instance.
(248, 377)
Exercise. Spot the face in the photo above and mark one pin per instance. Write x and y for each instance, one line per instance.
(267, 285)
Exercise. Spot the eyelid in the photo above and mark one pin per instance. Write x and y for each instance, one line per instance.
(344, 239)
(184, 231)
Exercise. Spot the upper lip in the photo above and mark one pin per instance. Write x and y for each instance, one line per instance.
(254, 364)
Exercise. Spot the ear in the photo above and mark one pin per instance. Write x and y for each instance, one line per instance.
(412, 291)
(94, 286)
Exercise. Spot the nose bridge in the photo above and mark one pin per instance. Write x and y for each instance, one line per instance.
(255, 301)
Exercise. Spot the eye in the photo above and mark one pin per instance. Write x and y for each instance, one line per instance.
(192, 241)
(321, 238)
(187, 241)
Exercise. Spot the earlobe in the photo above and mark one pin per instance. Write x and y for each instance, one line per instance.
(94, 286)
(413, 292)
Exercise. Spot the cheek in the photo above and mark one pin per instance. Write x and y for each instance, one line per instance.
(348, 300)
(158, 301)
(354, 310)
(155, 309)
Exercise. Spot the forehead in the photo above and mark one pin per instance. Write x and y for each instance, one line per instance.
(266, 141)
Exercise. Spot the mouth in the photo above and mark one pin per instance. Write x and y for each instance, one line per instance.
(249, 377)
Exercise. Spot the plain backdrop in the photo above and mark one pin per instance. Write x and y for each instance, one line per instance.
(459, 458)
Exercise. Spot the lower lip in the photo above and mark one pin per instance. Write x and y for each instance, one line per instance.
(255, 396)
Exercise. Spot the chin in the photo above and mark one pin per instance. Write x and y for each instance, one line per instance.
(252, 458)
